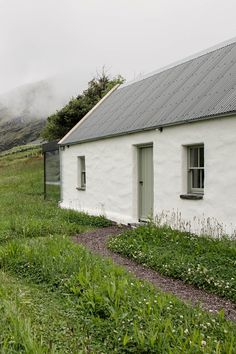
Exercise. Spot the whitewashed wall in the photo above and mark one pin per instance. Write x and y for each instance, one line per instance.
(111, 174)
(111, 167)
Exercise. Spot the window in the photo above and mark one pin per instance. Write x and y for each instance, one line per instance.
(81, 173)
(196, 169)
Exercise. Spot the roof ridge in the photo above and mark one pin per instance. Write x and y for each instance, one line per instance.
(179, 62)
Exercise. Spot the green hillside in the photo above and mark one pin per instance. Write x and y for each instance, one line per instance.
(18, 133)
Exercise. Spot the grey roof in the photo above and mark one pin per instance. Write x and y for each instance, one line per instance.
(199, 88)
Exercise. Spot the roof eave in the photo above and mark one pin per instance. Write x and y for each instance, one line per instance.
(165, 125)
(88, 114)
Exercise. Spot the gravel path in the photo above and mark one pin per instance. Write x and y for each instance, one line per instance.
(96, 242)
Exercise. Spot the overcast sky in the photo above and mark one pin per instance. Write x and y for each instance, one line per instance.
(41, 38)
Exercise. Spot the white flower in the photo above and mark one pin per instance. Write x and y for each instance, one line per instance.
(186, 331)
(203, 343)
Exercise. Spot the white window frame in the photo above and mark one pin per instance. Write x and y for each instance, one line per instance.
(81, 173)
(191, 189)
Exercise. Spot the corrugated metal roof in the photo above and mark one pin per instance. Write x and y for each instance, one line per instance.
(199, 88)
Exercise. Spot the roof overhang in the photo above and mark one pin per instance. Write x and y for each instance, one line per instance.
(87, 115)
(51, 146)
(184, 122)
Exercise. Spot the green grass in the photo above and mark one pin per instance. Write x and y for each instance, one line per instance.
(203, 261)
(112, 311)
(22, 150)
(56, 297)
(22, 209)
(34, 320)
(15, 154)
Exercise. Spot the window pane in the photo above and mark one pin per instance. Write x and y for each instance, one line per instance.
(193, 157)
(201, 151)
(83, 178)
(82, 161)
(196, 178)
(81, 172)
(202, 178)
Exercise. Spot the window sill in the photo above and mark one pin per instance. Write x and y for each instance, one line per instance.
(81, 188)
(191, 196)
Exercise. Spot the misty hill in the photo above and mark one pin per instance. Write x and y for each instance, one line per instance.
(24, 110)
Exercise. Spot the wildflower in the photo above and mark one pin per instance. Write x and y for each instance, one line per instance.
(203, 343)
(186, 331)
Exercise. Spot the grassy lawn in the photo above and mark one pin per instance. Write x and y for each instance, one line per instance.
(97, 307)
(35, 320)
(205, 262)
(22, 209)
(56, 297)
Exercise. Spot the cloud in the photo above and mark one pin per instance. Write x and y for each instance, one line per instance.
(43, 38)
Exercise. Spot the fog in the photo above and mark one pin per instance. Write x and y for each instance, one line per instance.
(73, 39)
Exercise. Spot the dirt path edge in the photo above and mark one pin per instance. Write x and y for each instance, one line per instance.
(96, 241)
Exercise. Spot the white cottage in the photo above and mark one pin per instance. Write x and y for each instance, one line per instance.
(163, 147)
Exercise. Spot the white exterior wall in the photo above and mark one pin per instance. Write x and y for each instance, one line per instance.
(111, 177)
(111, 168)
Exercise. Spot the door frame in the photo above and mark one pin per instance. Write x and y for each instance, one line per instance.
(139, 206)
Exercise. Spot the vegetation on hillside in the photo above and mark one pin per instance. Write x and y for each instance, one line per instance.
(62, 121)
(18, 132)
(203, 261)
(17, 152)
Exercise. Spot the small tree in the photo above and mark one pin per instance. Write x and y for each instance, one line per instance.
(62, 121)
